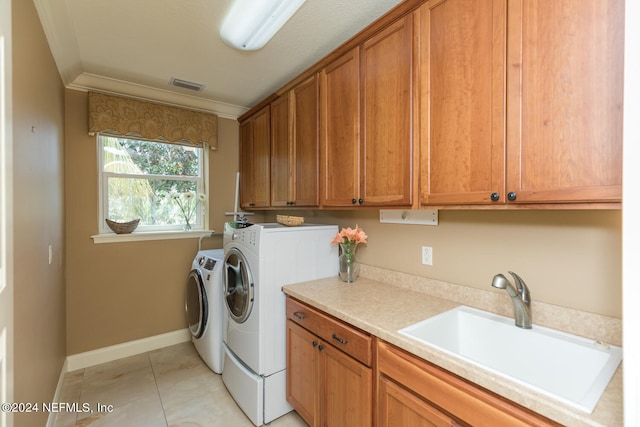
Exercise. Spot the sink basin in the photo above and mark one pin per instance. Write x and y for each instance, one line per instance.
(566, 367)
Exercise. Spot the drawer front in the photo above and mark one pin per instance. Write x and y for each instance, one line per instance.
(339, 334)
(467, 402)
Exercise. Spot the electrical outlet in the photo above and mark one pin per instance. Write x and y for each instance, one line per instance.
(427, 255)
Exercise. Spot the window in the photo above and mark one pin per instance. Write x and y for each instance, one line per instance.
(162, 184)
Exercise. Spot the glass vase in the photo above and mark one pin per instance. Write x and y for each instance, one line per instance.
(187, 227)
(349, 268)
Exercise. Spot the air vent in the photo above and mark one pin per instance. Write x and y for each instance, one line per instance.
(185, 84)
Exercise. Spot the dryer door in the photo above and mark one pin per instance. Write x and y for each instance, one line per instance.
(238, 285)
(195, 304)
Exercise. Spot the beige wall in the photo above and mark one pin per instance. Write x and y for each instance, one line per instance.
(38, 213)
(567, 258)
(118, 292)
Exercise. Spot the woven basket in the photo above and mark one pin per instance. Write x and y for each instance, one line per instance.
(289, 220)
(123, 227)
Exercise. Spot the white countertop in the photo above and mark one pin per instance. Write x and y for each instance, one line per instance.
(381, 309)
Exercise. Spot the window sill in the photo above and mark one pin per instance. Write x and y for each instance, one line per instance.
(144, 236)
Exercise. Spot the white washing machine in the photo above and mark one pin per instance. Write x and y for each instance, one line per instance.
(204, 307)
(259, 260)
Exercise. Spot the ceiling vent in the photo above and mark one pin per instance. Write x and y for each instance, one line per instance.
(185, 84)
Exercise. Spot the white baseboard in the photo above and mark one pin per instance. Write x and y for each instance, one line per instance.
(131, 348)
(51, 420)
(114, 352)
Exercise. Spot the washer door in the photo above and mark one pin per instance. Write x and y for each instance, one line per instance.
(238, 286)
(195, 304)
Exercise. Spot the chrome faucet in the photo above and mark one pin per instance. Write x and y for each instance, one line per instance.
(520, 297)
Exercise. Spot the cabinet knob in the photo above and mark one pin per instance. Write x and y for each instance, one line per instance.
(511, 195)
(320, 347)
(495, 197)
(315, 343)
(354, 201)
(360, 201)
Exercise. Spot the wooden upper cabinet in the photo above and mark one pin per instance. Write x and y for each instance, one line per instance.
(565, 100)
(254, 160)
(462, 100)
(366, 117)
(340, 130)
(306, 145)
(387, 140)
(521, 101)
(294, 147)
(281, 144)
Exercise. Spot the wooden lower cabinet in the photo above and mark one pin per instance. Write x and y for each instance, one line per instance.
(325, 385)
(413, 390)
(303, 372)
(338, 375)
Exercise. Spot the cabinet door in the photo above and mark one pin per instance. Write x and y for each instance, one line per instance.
(462, 84)
(305, 159)
(387, 82)
(254, 160)
(346, 390)
(281, 153)
(564, 126)
(302, 373)
(246, 170)
(340, 130)
(399, 407)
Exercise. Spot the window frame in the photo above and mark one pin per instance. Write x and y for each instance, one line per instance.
(202, 213)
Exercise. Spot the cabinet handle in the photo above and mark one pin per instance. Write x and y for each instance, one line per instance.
(320, 347)
(337, 338)
(299, 316)
(291, 203)
(353, 201)
(315, 343)
(252, 204)
(511, 195)
(495, 197)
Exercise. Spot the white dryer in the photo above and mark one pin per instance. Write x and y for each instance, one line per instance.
(204, 307)
(259, 260)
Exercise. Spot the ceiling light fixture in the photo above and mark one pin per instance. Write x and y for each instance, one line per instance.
(250, 24)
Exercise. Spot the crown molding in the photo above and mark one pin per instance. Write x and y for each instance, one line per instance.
(91, 82)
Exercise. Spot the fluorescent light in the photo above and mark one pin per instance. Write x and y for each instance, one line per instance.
(250, 24)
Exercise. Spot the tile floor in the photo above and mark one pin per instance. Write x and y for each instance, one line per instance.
(171, 386)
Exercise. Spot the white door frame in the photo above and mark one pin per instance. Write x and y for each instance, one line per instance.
(6, 215)
(630, 215)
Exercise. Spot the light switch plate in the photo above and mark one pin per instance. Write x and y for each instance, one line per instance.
(427, 255)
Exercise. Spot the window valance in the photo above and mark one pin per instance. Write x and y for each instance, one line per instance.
(119, 116)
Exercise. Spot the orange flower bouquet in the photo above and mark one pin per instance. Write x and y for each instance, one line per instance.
(348, 239)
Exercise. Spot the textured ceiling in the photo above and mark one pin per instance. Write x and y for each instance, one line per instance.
(135, 47)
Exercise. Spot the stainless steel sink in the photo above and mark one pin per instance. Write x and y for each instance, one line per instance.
(569, 368)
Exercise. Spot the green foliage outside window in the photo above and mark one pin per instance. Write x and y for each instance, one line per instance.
(142, 176)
